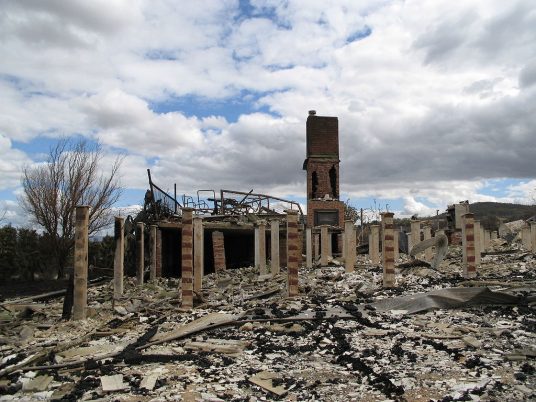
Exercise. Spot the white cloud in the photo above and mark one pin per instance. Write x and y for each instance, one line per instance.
(437, 100)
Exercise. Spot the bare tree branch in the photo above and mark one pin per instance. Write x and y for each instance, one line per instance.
(68, 178)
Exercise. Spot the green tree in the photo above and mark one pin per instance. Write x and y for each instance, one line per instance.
(8, 252)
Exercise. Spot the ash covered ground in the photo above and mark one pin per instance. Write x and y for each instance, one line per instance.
(250, 342)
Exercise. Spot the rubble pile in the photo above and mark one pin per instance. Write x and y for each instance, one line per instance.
(344, 338)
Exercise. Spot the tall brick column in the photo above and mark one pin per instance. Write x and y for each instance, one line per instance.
(261, 246)
(308, 248)
(119, 256)
(374, 244)
(140, 252)
(388, 251)
(159, 253)
(80, 262)
(154, 229)
(350, 245)
(325, 243)
(187, 259)
(292, 252)
(274, 247)
(427, 235)
(469, 266)
(199, 251)
(478, 250)
(218, 248)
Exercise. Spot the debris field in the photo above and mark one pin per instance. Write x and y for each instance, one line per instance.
(344, 338)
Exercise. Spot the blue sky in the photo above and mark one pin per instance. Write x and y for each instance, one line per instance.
(435, 100)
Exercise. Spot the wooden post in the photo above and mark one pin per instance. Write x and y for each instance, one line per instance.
(349, 246)
(308, 248)
(152, 275)
(325, 244)
(292, 252)
(274, 247)
(388, 251)
(119, 256)
(187, 259)
(80, 262)
(199, 251)
(140, 250)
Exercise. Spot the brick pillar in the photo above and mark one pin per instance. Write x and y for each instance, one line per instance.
(349, 246)
(410, 242)
(316, 239)
(261, 247)
(80, 262)
(283, 248)
(374, 244)
(388, 251)
(533, 236)
(477, 243)
(397, 245)
(199, 251)
(301, 240)
(154, 229)
(140, 250)
(256, 246)
(469, 266)
(159, 253)
(325, 243)
(416, 235)
(187, 259)
(494, 235)
(218, 248)
(482, 240)
(274, 248)
(308, 248)
(292, 252)
(119, 256)
(487, 239)
(525, 237)
(427, 235)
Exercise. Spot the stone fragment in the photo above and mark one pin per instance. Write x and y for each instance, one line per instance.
(37, 384)
(111, 383)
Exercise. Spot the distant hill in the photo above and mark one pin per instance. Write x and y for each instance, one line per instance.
(490, 213)
(510, 212)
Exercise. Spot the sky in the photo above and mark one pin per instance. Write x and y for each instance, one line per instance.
(436, 100)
